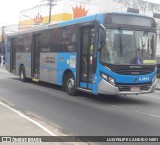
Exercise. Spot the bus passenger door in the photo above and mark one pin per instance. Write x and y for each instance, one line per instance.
(35, 56)
(86, 57)
(13, 56)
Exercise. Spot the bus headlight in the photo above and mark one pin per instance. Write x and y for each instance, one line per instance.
(111, 80)
(108, 79)
(104, 76)
(154, 79)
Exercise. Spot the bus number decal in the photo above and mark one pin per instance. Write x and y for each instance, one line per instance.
(143, 79)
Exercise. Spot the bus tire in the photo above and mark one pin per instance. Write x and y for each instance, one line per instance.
(70, 84)
(22, 74)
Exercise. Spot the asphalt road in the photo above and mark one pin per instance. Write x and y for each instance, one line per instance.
(85, 114)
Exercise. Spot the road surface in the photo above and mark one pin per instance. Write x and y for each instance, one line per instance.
(85, 115)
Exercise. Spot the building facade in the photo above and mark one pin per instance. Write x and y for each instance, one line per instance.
(61, 11)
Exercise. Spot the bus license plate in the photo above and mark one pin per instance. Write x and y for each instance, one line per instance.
(135, 89)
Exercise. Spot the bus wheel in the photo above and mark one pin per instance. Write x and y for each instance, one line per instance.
(70, 84)
(22, 74)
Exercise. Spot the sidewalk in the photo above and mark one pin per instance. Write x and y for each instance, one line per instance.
(13, 123)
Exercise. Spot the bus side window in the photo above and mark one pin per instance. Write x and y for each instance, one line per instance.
(56, 39)
(28, 42)
(45, 41)
(69, 38)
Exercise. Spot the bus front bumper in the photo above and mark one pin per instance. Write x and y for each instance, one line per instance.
(106, 88)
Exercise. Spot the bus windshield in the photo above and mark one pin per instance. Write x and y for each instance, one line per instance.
(125, 47)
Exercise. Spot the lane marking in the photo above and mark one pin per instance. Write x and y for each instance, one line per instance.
(126, 109)
(29, 119)
(156, 116)
(140, 112)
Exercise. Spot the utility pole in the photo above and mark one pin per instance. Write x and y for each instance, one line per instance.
(51, 3)
(50, 10)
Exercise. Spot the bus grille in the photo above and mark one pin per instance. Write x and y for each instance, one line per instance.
(127, 87)
(133, 72)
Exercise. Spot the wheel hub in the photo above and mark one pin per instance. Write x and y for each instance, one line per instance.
(70, 83)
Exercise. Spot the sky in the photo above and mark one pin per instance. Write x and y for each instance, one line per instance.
(10, 9)
(154, 1)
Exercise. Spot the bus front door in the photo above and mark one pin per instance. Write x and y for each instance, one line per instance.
(35, 56)
(86, 57)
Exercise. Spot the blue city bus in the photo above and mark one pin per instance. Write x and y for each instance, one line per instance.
(107, 53)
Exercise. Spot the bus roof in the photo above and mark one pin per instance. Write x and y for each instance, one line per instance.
(71, 22)
(132, 14)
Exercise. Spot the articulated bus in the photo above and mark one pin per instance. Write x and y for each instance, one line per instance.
(107, 53)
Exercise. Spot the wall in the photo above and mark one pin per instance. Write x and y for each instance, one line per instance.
(64, 10)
